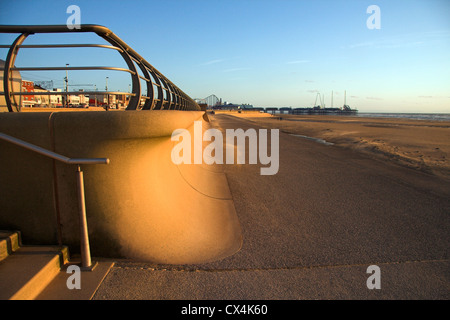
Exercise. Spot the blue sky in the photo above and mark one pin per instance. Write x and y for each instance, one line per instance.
(266, 53)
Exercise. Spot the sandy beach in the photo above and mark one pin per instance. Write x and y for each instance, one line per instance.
(419, 144)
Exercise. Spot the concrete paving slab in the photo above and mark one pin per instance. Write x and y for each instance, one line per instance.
(407, 280)
(89, 282)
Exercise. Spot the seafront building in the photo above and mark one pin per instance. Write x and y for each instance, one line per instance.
(34, 100)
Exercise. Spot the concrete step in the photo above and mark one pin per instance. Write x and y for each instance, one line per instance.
(89, 282)
(10, 242)
(40, 272)
(25, 271)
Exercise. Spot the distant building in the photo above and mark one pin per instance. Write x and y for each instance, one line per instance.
(122, 100)
(119, 101)
(41, 100)
(75, 100)
(34, 99)
(232, 106)
(272, 110)
(56, 100)
(28, 100)
(286, 110)
(102, 99)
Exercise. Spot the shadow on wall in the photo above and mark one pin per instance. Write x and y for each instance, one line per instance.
(141, 206)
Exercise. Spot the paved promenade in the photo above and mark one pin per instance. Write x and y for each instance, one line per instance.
(312, 230)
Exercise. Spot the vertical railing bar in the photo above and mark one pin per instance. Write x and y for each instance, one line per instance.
(86, 263)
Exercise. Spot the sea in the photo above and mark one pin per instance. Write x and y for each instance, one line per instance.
(415, 116)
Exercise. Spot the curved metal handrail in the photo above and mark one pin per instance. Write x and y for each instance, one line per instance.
(166, 96)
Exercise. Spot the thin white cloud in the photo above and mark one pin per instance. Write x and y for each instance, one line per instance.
(387, 44)
(404, 40)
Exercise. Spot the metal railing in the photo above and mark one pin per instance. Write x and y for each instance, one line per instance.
(86, 262)
(161, 92)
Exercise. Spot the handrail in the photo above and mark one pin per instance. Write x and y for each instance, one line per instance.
(86, 262)
(162, 93)
(52, 154)
(71, 69)
(65, 93)
(70, 45)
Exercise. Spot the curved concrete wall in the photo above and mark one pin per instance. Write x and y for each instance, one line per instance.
(140, 206)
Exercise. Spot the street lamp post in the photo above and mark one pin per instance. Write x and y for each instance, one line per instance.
(107, 95)
(67, 86)
(95, 87)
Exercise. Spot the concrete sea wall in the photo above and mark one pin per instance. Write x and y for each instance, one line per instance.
(140, 206)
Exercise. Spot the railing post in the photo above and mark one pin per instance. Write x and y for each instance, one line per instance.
(86, 263)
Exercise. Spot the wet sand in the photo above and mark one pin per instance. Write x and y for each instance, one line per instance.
(419, 144)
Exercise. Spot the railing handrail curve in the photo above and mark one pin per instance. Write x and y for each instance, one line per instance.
(162, 93)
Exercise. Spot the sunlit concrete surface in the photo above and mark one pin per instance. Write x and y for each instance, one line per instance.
(140, 206)
(312, 230)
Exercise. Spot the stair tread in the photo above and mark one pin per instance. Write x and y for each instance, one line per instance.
(29, 266)
(9, 242)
